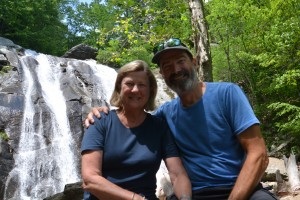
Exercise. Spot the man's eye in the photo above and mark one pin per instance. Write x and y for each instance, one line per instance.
(181, 61)
(166, 67)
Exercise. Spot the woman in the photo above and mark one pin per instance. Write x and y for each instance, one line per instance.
(122, 152)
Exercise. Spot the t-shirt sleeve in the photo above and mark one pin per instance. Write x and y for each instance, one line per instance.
(94, 136)
(169, 145)
(241, 114)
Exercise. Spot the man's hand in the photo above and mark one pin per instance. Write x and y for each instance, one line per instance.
(94, 112)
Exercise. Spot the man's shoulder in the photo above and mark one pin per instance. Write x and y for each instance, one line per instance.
(166, 107)
(221, 87)
(220, 84)
(170, 104)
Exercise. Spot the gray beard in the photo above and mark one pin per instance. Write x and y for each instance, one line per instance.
(186, 85)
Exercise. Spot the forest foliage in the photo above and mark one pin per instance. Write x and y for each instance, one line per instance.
(255, 44)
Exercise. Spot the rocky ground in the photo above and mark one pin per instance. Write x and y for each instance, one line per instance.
(282, 190)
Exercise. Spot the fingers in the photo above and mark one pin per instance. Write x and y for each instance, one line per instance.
(86, 123)
(89, 120)
(96, 112)
(103, 109)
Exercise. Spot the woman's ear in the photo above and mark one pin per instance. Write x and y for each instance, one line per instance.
(195, 61)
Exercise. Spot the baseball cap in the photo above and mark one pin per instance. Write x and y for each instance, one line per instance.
(172, 43)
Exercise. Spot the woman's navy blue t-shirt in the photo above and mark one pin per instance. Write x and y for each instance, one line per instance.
(131, 156)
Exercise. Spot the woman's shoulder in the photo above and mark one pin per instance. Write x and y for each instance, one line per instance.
(111, 115)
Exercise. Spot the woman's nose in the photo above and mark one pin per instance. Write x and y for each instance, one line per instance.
(135, 88)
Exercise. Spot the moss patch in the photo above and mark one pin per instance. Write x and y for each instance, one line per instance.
(4, 136)
(5, 69)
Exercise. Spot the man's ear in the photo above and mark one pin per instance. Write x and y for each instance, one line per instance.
(196, 64)
(161, 72)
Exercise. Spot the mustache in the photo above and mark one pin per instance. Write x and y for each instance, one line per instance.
(179, 74)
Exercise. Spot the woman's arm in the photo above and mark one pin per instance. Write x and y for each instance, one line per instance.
(93, 181)
(179, 178)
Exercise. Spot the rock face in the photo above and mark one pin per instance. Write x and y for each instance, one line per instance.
(81, 86)
(11, 105)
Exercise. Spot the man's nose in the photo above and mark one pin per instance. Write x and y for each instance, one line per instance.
(177, 68)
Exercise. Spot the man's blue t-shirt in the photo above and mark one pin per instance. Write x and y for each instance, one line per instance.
(206, 133)
(131, 156)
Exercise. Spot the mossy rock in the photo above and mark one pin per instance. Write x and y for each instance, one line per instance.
(4, 136)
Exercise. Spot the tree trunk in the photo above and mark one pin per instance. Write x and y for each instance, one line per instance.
(201, 40)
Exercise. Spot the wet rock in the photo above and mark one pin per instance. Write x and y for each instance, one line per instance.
(71, 192)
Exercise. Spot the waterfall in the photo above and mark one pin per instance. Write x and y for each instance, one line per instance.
(42, 169)
(47, 157)
(103, 79)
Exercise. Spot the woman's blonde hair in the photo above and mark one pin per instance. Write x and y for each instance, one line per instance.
(134, 66)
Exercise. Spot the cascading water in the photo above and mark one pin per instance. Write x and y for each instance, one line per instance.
(103, 79)
(47, 157)
(42, 169)
(45, 160)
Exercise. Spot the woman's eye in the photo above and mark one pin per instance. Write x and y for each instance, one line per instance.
(129, 84)
(142, 85)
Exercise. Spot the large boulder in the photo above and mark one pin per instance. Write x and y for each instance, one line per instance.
(71, 192)
(81, 52)
(274, 165)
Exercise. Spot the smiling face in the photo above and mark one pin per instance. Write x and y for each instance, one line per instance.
(132, 78)
(178, 70)
(135, 90)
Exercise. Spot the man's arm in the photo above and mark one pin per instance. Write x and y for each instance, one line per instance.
(94, 112)
(255, 164)
(179, 178)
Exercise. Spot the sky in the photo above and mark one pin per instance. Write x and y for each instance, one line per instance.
(85, 1)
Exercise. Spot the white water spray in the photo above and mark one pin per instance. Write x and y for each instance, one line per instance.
(104, 79)
(43, 164)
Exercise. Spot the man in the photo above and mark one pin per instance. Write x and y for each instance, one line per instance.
(215, 129)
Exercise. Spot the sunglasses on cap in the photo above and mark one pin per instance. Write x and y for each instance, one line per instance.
(173, 42)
